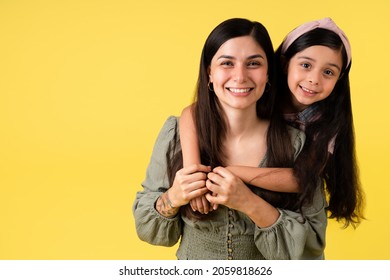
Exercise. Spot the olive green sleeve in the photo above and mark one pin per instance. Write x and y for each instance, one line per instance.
(296, 236)
(151, 226)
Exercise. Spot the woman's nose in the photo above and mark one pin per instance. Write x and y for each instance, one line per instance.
(240, 74)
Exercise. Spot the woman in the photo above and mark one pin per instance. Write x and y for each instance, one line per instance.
(236, 124)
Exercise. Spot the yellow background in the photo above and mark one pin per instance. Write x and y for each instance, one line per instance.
(85, 86)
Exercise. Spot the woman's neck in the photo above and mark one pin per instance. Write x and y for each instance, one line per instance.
(246, 133)
(240, 122)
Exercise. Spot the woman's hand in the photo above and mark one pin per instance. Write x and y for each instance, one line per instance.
(227, 189)
(189, 183)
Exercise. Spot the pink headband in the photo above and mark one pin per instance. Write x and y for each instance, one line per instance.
(326, 23)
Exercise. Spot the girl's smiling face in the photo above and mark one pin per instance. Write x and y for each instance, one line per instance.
(239, 73)
(312, 75)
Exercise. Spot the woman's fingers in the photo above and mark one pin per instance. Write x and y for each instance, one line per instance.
(189, 183)
(212, 199)
(225, 188)
(214, 182)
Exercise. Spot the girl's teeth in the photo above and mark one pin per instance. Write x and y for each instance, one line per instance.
(309, 91)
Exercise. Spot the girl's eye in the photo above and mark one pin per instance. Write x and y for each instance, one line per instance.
(305, 65)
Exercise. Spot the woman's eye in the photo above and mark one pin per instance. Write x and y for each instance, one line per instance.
(329, 72)
(226, 63)
(305, 65)
(254, 63)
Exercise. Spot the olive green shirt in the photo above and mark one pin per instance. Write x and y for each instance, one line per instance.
(228, 234)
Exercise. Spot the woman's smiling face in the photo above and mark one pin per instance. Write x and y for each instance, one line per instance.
(239, 73)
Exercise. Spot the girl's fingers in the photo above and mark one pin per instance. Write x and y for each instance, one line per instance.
(199, 205)
(193, 205)
(206, 205)
(193, 168)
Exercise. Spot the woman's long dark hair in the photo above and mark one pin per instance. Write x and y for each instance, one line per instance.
(337, 172)
(209, 116)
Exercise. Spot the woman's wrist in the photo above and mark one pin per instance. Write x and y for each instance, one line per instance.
(261, 212)
(165, 206)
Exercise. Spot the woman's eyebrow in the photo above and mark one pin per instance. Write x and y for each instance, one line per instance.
(224, 56)
(255, 56)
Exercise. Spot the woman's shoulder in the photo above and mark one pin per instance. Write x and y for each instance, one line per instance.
(171, 123)
(168, 132)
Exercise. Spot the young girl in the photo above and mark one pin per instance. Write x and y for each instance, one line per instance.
(313, 64)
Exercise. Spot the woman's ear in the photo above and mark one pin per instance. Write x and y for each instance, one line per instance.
(210, 77)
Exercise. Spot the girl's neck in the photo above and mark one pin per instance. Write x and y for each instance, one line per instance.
(290, 105)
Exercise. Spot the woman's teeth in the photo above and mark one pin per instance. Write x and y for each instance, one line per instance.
(239, 90)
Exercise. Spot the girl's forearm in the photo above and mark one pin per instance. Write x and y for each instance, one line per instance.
(188, 138)
(273, 179)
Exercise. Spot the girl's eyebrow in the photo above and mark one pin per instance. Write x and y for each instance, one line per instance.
(312, 59)
(232, 57)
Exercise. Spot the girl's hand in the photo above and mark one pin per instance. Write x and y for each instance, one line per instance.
(189, 183)
(201, 204)
(227, 189)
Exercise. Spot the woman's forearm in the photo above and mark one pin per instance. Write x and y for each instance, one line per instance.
(273, 179)
(261, 212)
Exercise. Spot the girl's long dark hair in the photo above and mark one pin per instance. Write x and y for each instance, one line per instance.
(209, 116)
(337, 172)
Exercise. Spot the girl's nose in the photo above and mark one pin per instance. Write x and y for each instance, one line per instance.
(314, 78)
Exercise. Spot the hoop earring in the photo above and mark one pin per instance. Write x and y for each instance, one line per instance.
(209, 84)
